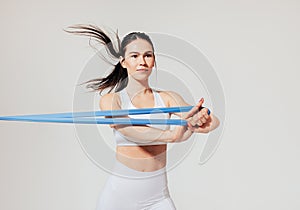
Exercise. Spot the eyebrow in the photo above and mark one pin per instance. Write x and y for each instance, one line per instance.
(139, 53)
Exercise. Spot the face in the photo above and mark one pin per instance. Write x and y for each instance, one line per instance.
(139, 59)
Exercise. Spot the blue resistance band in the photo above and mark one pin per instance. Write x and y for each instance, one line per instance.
(89, 117)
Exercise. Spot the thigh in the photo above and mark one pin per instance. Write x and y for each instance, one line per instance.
(115, 198)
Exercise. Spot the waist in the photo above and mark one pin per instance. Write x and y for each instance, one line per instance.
(142, 158)
(145, 151)
(124, 170)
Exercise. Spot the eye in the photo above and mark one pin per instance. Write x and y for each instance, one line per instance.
(149, 55)
(133, 56)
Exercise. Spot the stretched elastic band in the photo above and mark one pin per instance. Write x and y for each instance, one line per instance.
(113, 113)
(124, 121)
(89, 117)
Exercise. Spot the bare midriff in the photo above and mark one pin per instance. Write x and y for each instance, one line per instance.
(143, 158)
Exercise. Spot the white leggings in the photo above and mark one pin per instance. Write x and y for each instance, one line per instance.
(128, 189)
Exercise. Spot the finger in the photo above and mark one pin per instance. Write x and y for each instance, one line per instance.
(203, 120)
(206, 109)
(195, 109)
(193, 123)
(190, 127)
(199, 124)
(200, 117)
(197, 119)
(206, 116)
(204, 112)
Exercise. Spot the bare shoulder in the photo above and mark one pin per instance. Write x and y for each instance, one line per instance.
(171, 98)
(110, 101)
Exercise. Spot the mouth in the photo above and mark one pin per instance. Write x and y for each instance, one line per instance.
(142, 70)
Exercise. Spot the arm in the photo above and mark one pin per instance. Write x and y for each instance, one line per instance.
(142, 133)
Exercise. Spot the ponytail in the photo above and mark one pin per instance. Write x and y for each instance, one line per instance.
(118, 77)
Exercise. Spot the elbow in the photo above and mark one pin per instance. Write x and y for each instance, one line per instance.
(168, 137)
(174, 139)
(177, 138)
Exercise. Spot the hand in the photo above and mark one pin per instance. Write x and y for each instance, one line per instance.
(181, 133)
(201, 120)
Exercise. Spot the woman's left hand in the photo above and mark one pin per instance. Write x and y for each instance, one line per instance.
(201, 121)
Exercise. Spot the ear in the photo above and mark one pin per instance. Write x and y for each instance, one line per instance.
(122, 62)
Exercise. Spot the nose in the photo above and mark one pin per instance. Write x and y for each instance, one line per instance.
(142, 61)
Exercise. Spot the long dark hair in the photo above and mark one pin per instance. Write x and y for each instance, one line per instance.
(118, 78)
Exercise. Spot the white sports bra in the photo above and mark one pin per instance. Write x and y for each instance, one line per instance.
(126, 103)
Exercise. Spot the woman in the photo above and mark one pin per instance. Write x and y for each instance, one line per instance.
(139, 180)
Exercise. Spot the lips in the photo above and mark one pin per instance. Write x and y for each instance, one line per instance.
(142, 69)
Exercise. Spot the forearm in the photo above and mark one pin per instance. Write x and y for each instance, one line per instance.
(186, 135)
(144, 133)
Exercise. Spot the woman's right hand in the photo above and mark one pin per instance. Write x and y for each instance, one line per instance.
(181, 133)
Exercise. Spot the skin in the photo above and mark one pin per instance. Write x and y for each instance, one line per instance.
(139, 60)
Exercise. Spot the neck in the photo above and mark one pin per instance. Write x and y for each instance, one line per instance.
(136, 87)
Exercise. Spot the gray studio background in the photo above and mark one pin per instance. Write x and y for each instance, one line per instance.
(254, 48)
